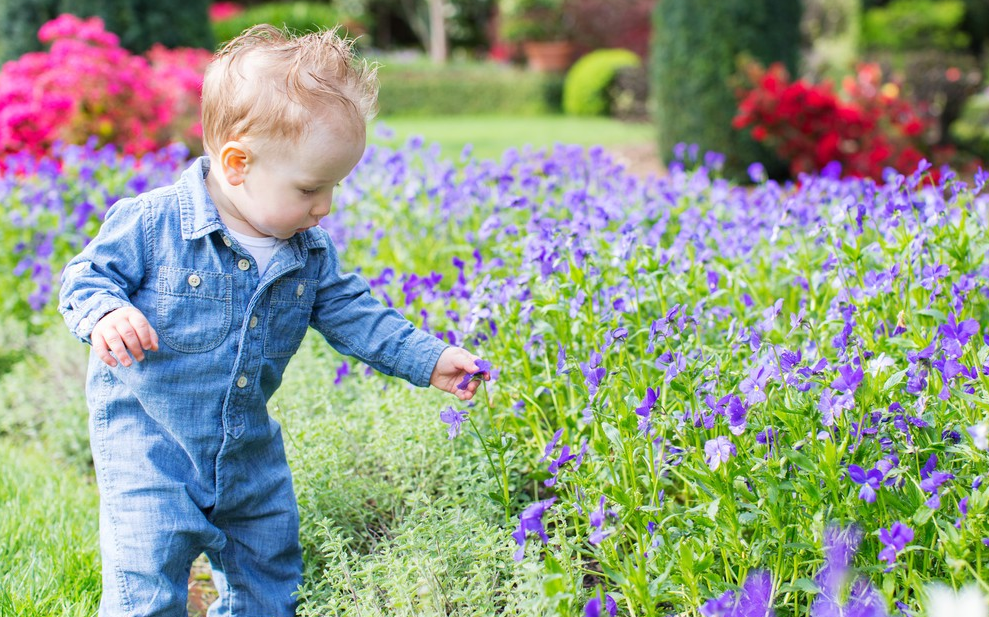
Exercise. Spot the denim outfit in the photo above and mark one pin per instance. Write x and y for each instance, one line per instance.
(187, 458)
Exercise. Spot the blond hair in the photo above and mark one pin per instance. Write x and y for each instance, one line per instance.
(268, 84)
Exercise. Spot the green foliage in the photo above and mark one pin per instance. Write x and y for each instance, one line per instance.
(533, 20)
(971, 130)
(48, 536)
(695, 56)
(19, 23)
(297, 17)
(905, 25)
(585, 90)
(464, 88)
(139, 23)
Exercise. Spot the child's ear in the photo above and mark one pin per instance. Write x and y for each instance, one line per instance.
(234, 159)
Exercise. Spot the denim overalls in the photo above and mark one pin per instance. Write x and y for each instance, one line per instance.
(187, 458)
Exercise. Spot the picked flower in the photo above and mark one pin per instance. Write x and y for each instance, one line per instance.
(483, 366)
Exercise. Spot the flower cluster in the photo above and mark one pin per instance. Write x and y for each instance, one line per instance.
(87, 85)
(865, 128)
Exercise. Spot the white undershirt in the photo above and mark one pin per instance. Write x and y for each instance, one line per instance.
(261, 249)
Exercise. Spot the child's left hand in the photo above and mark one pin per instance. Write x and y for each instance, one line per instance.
(450, 370)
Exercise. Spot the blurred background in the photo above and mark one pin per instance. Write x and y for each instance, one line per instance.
(794, 85)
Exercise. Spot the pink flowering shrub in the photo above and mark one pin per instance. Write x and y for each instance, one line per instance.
(86, 85)
(178, 73)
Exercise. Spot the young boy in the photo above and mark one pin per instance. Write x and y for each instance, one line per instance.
(194, 297)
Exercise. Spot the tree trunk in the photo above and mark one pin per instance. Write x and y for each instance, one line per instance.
(437, 32)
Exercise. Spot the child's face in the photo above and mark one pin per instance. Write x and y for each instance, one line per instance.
(286, 189)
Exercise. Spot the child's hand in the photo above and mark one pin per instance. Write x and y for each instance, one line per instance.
(454, 363)
(121, 331)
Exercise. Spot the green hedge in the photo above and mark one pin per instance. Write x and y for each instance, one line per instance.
(139, 23)
(482, 88)
(297, 17)
(585, 91)
(696, 48)
(905, 25)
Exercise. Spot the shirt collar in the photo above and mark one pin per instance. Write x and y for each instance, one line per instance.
(200, 217)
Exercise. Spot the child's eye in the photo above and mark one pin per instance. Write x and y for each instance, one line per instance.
(309, 192)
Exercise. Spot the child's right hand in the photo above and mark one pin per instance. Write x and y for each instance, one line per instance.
(125, 332)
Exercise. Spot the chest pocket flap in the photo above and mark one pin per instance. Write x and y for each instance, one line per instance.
(194, 308)
(288, 316)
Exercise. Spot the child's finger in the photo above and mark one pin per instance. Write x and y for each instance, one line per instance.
(131, 341)
(102, 351)
(145, 333)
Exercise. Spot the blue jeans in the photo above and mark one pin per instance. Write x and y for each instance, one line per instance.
(159, 510)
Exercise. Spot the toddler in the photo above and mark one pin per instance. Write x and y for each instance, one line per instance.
(195, 296)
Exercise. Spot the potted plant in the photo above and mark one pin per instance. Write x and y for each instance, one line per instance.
(542, 28)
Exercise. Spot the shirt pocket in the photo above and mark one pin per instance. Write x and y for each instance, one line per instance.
(194, 308)
(288, 316)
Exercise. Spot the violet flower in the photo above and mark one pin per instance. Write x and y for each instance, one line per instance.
(895, 540)
(870, 480)
(717, 451)
(531, 520)
(455, 419)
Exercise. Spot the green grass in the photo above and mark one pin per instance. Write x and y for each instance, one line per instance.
(49, 546)
(490, 136)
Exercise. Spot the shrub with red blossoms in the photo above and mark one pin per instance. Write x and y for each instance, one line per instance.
(867, 127)
(87, 85)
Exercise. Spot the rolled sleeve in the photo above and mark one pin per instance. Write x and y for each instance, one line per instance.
(109, 269)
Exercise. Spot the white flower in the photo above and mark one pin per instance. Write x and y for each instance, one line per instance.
(944, 601)
(980, 435)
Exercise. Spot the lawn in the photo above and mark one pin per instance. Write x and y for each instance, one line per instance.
(490, 136)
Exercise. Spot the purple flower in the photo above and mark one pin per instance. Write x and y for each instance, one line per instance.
(720, 606)
(717, 451)
(930, 275)
(455, 419)
(831, 406)
(956, 335)
(531, 520)
(754, 386)
(593, 372)
(593, 607)
(551, 445)
(848, 379)
(870, 480)
(561, 360)
(894, 540)
(342, 371)
(597, 519)
(483, 366)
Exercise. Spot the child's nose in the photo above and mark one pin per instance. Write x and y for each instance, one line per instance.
(322, 208)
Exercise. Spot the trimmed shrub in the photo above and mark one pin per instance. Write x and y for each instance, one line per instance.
(905, 25)
(971, 130)
(297, 17)
(585, 90)
(426, 90)
(695, 56)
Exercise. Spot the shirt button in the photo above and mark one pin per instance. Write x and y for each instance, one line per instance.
(300, 290)
(194, 280)
(226, 240)
(254, 322)
(242, 381)
(243, 264)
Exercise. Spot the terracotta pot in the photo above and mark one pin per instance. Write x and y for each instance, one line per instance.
(548, 55)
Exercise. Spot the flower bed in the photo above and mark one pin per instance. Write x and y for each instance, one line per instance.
(707, 397)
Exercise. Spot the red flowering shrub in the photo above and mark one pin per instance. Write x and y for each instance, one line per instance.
(218, 11)
(87, 85)
(866, 127)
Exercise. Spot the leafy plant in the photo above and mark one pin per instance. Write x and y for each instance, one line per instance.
(533, 20)
(586, 88)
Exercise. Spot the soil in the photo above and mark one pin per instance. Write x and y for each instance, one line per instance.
(640, 159)
(201, 590)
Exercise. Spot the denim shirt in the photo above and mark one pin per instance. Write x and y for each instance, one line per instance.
(225, 336)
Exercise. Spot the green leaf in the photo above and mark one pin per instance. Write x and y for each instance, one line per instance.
(613, 435)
